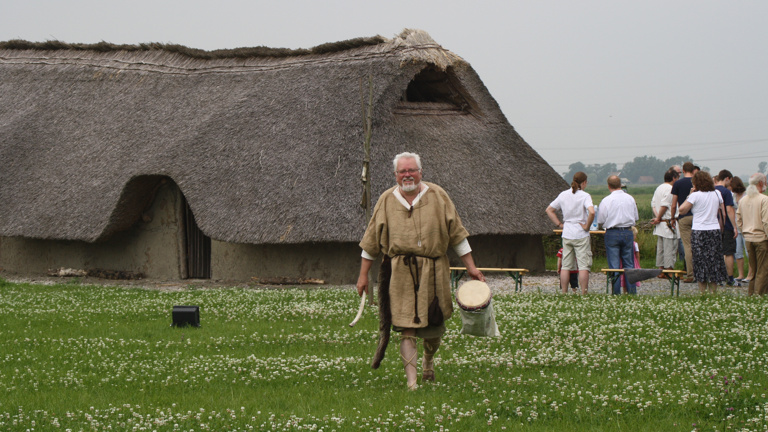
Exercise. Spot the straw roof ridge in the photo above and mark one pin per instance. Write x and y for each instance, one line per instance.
(410, 47)
(240, 53)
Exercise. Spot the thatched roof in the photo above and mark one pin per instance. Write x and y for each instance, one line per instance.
(266, 148)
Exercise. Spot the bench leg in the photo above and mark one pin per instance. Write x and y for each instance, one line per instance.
(518, 277)
(610, 279)
(456, 276)
(674, 282)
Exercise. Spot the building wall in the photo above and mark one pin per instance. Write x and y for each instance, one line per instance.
(151, 247)
(154, 247)
(339, 263)
(511, 251)
(334, 263)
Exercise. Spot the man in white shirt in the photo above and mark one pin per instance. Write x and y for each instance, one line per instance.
(666, 236)
(617, 215)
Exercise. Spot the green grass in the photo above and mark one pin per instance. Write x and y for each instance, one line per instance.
(100, 358)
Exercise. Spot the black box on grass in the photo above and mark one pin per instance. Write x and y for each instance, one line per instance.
(186, 315)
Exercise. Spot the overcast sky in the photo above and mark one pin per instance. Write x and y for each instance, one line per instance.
(589, 81)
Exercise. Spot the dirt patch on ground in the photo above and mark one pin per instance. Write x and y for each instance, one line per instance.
(543, 283)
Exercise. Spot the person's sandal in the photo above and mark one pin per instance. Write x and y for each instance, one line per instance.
(428, 375)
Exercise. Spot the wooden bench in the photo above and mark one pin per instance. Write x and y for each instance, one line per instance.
(560, 231)
(674, 277)
(516, 273)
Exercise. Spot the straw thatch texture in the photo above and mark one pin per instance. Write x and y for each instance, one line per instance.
(265, 149)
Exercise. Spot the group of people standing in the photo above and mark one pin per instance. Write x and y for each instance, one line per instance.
(705, 214)
(716, 221)
(617, 215)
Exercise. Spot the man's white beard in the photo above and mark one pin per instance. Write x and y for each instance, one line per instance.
(409, 187)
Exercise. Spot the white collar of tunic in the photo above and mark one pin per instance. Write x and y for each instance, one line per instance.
(404, 202)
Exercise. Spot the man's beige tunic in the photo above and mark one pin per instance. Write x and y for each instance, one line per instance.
(752, 217)
(396, 232)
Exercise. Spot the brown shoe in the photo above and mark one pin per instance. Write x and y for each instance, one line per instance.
(689, 280)
(662, 276)
(428, 375)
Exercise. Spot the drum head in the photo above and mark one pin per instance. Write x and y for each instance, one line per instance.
(473, 295)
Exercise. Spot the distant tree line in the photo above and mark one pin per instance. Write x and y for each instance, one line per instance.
(641, 166)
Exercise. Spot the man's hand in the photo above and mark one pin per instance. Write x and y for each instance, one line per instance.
(362, 280)
(657, 215)
(472, 270)
(735, 232)
(476, 274)
(362, 284)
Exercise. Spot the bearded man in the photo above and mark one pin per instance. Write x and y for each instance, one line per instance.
(413, 225)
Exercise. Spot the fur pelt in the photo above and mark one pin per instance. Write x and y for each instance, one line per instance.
(385, 311)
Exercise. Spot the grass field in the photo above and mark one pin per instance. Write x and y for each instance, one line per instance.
(99, 358)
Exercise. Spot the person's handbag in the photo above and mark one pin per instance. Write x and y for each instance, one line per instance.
(721, 218)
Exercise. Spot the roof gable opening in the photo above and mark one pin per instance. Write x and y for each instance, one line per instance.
(434, 91)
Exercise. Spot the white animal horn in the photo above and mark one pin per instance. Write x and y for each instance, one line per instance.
(359, 310)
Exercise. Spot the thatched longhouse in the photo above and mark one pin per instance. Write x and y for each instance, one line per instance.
(176, 163)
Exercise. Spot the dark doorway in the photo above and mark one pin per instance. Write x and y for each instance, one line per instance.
(198, 248)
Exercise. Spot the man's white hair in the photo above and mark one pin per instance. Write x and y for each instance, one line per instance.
(406, 155)
(754, 180)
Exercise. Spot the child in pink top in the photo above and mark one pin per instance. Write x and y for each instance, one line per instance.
(574, 274)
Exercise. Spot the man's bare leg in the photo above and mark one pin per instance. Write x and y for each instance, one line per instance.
(565, 278)
(408, 353)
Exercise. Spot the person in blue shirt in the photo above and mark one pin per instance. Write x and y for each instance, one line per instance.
(730, 233)
(684, 221)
